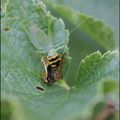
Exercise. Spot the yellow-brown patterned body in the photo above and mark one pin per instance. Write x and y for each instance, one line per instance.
(52, 66)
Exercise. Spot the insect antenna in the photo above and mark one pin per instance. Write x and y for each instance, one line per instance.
(79, 24)
(73, 29)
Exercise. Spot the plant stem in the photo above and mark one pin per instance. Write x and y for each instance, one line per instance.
(63, 83)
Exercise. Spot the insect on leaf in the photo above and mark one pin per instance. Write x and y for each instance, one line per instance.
(40, 40)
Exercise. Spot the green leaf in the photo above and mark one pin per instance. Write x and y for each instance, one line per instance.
(20, 76)
(110, 91)
(96, 29)
(109, 86)
(12, 109)
(96, 67)
(5, 113)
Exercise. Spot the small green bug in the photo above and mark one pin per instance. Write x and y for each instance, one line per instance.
(53, 49)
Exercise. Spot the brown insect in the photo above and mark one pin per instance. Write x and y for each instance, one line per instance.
(53, 68)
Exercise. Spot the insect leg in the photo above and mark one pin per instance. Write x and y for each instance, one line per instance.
(59, 47)
(44, 60)
(63, 47)
(39, 51)
(41, 76)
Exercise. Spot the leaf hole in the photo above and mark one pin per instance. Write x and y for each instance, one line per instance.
(39, 88)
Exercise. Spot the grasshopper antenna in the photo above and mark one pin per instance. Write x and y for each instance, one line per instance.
(83, 21)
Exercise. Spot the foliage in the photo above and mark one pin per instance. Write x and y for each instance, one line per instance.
(72, 98)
